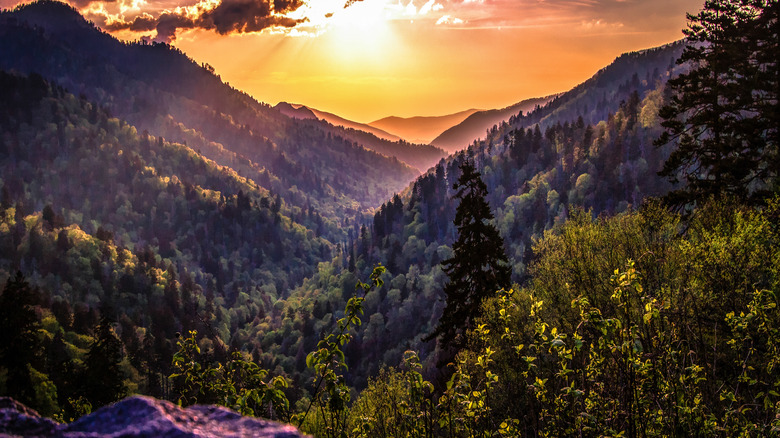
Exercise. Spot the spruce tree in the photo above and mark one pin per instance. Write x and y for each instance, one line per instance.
(104, 380)
(18, 341)
(723, 112)
(478, 267)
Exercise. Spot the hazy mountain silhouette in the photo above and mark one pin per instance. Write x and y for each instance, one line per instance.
(337, 120)
(295, 112)
(420, 156)
(420, 129)
(475, 125)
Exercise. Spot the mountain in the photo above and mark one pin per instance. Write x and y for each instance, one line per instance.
(139, 187)
(589, 148)
(474, 126)
(335, 120)
(107, 222)
(295, 111)
(420, 129)
(159, 90)
(595, 99)
(420, 156)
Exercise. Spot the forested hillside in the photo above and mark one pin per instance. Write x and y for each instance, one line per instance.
(106, 221)
(164, 234)
(474, 127)
(536, 173)
(158, 89)
(420, 156)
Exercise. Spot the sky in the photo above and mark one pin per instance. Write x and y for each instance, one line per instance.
(367, 59)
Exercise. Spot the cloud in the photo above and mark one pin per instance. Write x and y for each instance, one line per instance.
(224, 17)
(84, 3)
(600, 24)
(446, 19)
(430, 6)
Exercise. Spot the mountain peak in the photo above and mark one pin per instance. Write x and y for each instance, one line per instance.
(295, 111)
(53, 15)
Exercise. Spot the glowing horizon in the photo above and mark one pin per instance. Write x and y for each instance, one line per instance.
(365, 60)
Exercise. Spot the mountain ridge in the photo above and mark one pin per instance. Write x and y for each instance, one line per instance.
(336, 120)
(419, 156)
(474, 126)
(160, 90)
(420, 128)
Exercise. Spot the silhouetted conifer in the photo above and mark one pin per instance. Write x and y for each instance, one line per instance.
(104, 380)
(18, 341)
(723, 113)
(479, 265)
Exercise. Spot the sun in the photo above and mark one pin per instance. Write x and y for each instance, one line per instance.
(361, 31)
(363, 15)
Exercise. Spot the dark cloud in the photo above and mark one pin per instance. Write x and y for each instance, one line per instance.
(230, 16)
(248, 15)
(84, 3)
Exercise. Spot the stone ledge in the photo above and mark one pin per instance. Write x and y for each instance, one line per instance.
(141, 416)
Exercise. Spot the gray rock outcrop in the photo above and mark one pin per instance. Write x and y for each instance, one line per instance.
(141, 416)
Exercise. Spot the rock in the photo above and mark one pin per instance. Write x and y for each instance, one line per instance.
(17, 419)
(140, 416)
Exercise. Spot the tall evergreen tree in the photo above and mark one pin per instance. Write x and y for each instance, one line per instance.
(18, 341)
(104, 380)
(478, 266)
(723, 112)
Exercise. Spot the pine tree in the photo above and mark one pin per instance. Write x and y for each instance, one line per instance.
(104, 378)
(723, 113)
(478, 267)
(18, 341)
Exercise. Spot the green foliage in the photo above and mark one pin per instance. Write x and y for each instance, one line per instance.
(682, 350)
(45, 398)
(395, 404)
(239, 384)
(331, 394)
(755, 346)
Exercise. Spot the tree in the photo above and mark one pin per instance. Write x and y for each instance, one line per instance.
(723, 112)
(478, 267)
(104, 377)
(18, 341)
(48, 217)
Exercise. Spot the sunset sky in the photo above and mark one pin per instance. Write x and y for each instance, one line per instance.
(373, 58)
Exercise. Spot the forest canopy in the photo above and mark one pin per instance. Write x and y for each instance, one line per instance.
(133, 261)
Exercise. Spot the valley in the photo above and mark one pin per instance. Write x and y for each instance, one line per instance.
(163, 233)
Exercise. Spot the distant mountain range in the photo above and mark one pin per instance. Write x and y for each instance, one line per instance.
(421, 129)
(419, 156)
(476, 124)
(304, 112)
(452, 132)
